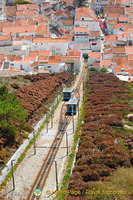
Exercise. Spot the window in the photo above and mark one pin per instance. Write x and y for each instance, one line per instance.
(21, 67)
(49, 66)
(82, 18)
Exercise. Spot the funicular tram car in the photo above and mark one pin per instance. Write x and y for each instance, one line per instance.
(67, 94)
(72, 105)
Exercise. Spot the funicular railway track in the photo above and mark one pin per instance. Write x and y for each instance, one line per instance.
(47, 164)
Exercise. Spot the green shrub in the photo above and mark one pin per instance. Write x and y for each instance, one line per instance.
(92, 69)
(104, 69)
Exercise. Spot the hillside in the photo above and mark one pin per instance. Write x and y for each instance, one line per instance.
(26, 105)
(105, 150)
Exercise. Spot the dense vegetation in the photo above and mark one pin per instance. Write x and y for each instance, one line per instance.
(43, 89)
(22, 2)
(20, 109)
(12, 121)
(81, 3)
(12, 116)
(105, 145)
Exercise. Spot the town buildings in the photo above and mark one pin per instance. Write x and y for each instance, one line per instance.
(54, 36)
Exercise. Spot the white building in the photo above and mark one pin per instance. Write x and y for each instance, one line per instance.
(57, 45)
(81, 34)
(86, 17)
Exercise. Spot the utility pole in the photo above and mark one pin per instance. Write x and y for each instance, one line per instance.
(47, 123)
(83, 88)
(67, 142)
(53, 107)
(34, 143)
(78, 107)
(51, 120)
(56, 174)
(13, 181)
(73, 119)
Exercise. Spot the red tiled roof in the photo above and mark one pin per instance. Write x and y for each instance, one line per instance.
(119, 50)
(129, 49)
(34, 64)
(110, 38)
(66, 59)
(33, 6)
(108, 46)
(5, 37)
(130, 56)
(120, 60)
(108, 51)
(123, 18)
(73, 52)
(130, 71)
(94, 33)
(25, 37)
(40, 53)
(96, 55)
(19, 29)
(60, 12)
(106, 62)
(42, 27)
(119, 25)
(49, 40)
(43, 72)
(54, 59)
(113, 15)
(29, 58)
(43, 58)
(96, 64)
(45, 5)
(81, 29)
(67, 22)
(85, 12)
(113, 9)
(22, 6)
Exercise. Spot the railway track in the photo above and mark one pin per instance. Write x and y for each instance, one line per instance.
(47, 164)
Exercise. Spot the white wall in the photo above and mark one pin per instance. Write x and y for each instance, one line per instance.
(91, 60)
(93, 26)
(52, 67)
(122, 77)
(56, 48)
(25, 66)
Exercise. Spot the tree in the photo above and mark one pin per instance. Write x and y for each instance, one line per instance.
(81, 3)
(104, 69)
(92, 69)
(3, 92)
(12, 116)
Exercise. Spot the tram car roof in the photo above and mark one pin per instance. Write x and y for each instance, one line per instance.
(72, 102)
(68, 90)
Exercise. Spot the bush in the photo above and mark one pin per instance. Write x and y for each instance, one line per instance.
(92, 69)
(90, 175)
(104, 69)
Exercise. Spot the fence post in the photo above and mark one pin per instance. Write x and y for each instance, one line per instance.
(73, 118)
(13, 180)
(34, 143)
(56, 174)
(67, 142)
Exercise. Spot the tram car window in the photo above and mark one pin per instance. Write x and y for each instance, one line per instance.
(67, 94)
(72, 105)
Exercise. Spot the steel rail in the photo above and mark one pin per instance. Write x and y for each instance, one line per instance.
(47, 164)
